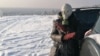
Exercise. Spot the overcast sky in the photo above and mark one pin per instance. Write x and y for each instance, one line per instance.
(32, 3)
(45, 3)
(84, 3)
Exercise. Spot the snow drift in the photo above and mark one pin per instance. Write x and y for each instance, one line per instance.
(25, 35)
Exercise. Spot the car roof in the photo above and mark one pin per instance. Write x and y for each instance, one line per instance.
(87, 8)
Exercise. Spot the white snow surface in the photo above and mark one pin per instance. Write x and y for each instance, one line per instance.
(27, 35)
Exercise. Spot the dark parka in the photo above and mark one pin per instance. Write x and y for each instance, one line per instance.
(67, 47)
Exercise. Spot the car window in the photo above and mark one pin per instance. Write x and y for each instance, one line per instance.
(97, 26)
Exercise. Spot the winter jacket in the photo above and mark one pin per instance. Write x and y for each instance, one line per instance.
(72, 27)
(71, 46)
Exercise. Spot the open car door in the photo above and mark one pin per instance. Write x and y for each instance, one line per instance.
(91, 44)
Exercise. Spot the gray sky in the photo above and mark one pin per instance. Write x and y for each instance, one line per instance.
(32, 3)
(83, 3)
(45, 3)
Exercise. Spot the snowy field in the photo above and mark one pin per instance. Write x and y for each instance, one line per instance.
(27, 35)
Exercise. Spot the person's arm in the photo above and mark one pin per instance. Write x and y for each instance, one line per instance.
(55, 36)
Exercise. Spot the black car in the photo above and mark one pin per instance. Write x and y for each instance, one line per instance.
(91, 44)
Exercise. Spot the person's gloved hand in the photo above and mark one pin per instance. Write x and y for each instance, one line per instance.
(69, 36)
(56, 37)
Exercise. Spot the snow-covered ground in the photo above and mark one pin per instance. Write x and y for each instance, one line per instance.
(27, 35)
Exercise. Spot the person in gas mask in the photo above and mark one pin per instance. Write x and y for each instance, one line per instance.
(65, 32)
